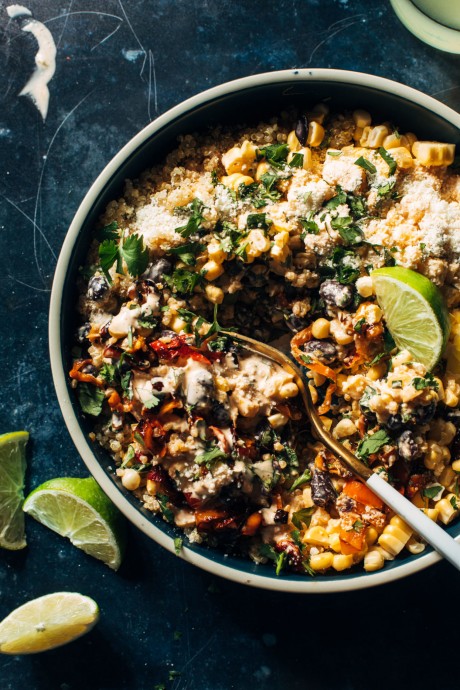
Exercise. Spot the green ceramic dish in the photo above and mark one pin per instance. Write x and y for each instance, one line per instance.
(248, 98)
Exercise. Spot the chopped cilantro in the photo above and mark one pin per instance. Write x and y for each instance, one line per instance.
(337, 200)
(90, 398)
(214, 178)
(454, 502)
(130, 249)
(385, 189)
(211, 455)
(365, 164)
(359, 325)
(258, 220)
(108, 232)
(187, 252)
(334, 154)
(193, 224)
(147, 321)
(302, 517)
(309, 225)
(184, 281)
(389, 160)
(178, 543)
(297, 161)
(372, 444)
(396, 384)
(357, 526)
(166, 511)
(126, 384)
(301, 479)
(432, 491)
(280, 562)
(275, 154)
(107, 373)
(357, 206)
(428, 382)
(152, 402)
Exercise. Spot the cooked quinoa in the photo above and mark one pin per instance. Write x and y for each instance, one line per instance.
(273, 231)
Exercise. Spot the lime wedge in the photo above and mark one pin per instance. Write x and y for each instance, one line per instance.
(80, 510)
(12, 471)
(414, 311)
(47, 622)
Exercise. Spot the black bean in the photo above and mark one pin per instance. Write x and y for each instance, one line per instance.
(97, 287)
(335, 294)
(104, 331)
(301, 129)
(159, 268)
(321, 349)
(82, 332)
(322, 490)
(295, 323)
(219, 415)
(394, 422)
(407, 446)
(89, 369)
(281, 517)
(425, 413)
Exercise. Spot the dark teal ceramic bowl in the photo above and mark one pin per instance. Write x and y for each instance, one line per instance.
(251, 98)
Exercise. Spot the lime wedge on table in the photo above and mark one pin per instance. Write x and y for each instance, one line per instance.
(12, 471)
(80, 510)
(47, 622)
(415, 312)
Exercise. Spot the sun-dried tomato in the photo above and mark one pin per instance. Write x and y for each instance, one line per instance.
(178, 348)
(153, 434)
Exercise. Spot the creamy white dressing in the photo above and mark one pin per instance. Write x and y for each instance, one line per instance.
(198, 383)
(45, 59)
(124, 320)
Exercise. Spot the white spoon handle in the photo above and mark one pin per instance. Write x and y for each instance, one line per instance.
(437, 537)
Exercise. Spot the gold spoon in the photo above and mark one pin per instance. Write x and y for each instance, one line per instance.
(437, 537)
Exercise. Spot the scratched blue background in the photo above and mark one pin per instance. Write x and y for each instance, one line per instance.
(118, 66)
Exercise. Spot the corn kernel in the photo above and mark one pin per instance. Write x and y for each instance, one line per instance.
(448, 508)
(293, 143)
(214, 294)
(362, 118)
(345, 427)
(377, 136)
(235, 180)
(321, 561)
(216, 252)
(414, 546)
(341, 561)
(365, 286)
(257, 244)
(373, 560)
(315, 134)
(262, 169)
(212, 270)
(319, 112)
(402, 158)
(239, 160)
(433, 153)
(317, 536)
(131, 480)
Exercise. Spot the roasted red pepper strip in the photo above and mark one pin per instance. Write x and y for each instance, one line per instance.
(78, 375)
(177, 347)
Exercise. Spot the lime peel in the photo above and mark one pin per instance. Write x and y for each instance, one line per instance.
(80, 510)
(12, 473)
(415, 312)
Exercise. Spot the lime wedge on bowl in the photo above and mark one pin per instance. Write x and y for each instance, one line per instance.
(12, 472)
(414, 311)
(80, 510)
(47, 622)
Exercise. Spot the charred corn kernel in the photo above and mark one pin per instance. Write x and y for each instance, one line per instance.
(257, 244)
(433, 153)
(334, 542)
(411, 138)
(340, 335)
(221, 383)
(277, 420)
(456, 465)
(216, 252)
(262, 168)
(320, 329)
(239, 159)
(402, 157)
(326, 422)
(433, 455)
(214, 294)
(341, 561)
(317, 536)
(313, 393)
(392, 141)
(177, 324)
(315, 134)
(343, 428)
(212, 270)
(395, 536)
(414, 546)
(371, 536)
(362, 118)
(377, 371)
(292, 141)
(373, 560)
(131, 480)
(364, 286)
(448, 508)
(377, 136)
(321, 561)
(235, 180)
(450, 398)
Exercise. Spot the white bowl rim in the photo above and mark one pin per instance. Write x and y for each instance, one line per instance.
(310, 585)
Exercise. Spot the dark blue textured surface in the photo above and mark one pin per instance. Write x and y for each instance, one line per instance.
(400, 635)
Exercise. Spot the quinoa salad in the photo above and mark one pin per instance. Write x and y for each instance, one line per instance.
(273, 231)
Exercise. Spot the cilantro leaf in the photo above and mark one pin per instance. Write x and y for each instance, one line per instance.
(357, 206)
(429, 381)
(385, 189)
(258, 220)
(280, 561)
(178, 543)
(90, 399)
(301, 479)
(166, 511)
(275, 154)
(348, 232)
(357, 525)
(372, 444)
(365, 164)
(359, 325)
(108, 232)
(340, 198)
(297, 161)
(134, 253)
(210, 456)
(152, 402)
(108, 254)
(107, 373)
(193, 224)
(184, 281)
(309, 225)
(302, 517)
(389, 160)
(432, 491)
(187, 252)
